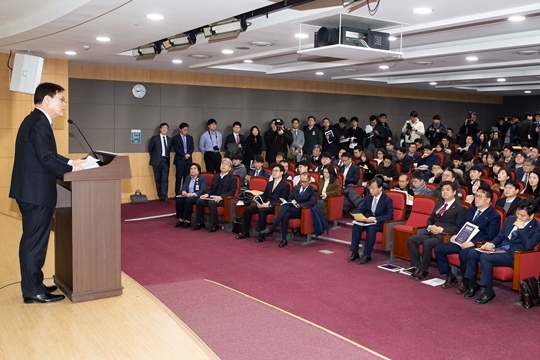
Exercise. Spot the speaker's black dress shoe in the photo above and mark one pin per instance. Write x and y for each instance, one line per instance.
(354, 256)
(450, 281)
(214, 228)
(422, 275)
(364, 260)
(186, 224)
(262, 235)
(483, 299)
(198, 226)
(415, 273)
(462, 289)
(283, 243)
(51, 288)
(179, 224)
(242, 235)
(471, 292)
(43, 298)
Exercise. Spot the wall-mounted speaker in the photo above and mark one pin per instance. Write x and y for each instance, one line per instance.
(26, 74)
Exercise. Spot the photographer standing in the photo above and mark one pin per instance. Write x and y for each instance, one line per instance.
(436, 131)
(277, 139)
(413, 128)
(469, 128)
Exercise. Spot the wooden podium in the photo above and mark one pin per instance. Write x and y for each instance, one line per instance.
(87, 230)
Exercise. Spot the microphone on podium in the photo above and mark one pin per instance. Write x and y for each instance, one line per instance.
(87, 143)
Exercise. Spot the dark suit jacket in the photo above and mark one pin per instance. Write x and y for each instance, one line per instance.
(262, 172)
(201, 180)
(155, 149)
(306, 199)
(178, 146)
(36, 164)
(451, 218)
(353, 175)
(231, 140)
(282, 190)
(229, 187)
(526, 239)
(488, 222)
(406, 164)
(513, 206)
(383, 212)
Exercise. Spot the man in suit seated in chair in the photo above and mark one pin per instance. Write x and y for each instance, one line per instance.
(223, 184)
(303, 195)
(446, 216)
(275, 189)
(377, 207)
(519, 232)
(488, 220)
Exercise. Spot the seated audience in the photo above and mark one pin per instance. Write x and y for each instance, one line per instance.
(303, 195)
(350, 171)
(471, 195)
(377, 207)
(379, 155)
(238, 167)
(532, 187)
(302, 167)
(328, 186)
(475, 173)
(403, 160)
(326, 158)
(387, 170)
(519, 232)
(194, 186)
(366, 165)
(446, 216)
(488, 220)
(510, 200)
(258, 163)
(275, 189)
(223, 185)
(502, 177)
(448, 175)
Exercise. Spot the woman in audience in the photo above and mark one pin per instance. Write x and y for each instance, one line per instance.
(496, 168)
(194, 186)
(364, 163)
(492, 158)
(253, 146)
(483, 144)
(328, 186)
(470, 198)
(380, 155)
(532, 187)
(502, 177)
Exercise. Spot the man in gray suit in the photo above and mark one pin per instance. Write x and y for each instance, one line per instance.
(445, 218)
(295, 149)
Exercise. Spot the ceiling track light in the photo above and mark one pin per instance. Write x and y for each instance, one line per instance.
(180, 42)
(226, 29)
(147, 52)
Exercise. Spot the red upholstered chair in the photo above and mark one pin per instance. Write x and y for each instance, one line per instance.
(359, 189)
(292, 166)
(489, 181)
(398, 167)
(291, 173)
(485, 173)
(525, 196)
(496, 196)
(431, 187)
(334, 204)
(315, 175)
(521, 185)
(441, 157)
(421, 210)
(512, 174)
(374, 163)
(399, 202)
(361, 173)
(304, 225)
(464, 190)
(258, 183)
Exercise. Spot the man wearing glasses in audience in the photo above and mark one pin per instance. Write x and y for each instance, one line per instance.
(488, 220)
(519, 232)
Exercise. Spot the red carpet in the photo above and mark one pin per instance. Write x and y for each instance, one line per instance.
(237, 327)
(386, 312)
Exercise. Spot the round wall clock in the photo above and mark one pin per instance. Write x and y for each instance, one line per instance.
(139, 91)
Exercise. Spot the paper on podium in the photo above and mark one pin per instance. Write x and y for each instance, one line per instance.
(90, 163)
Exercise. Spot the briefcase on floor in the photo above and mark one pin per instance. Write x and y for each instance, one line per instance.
(138, 198)
(528, 292)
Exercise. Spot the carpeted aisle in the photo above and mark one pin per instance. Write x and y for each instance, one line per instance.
(386, 312)
(237, 327)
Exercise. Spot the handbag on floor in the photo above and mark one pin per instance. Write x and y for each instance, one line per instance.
(528, 292)
(138, 198)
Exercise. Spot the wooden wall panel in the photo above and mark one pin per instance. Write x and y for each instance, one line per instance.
(102, 72)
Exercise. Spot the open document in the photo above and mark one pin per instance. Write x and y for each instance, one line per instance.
(90, 163)
(466, 233)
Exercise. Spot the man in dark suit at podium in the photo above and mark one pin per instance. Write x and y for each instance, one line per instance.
(183, 147)
(303, 195)
(33, 185)
(160, 149)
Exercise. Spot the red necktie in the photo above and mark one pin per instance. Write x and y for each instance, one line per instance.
(237, 138)
(442, 210)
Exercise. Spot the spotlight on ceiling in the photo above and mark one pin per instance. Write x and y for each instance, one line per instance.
(180, 42)
(226, 29)
(147, 52)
